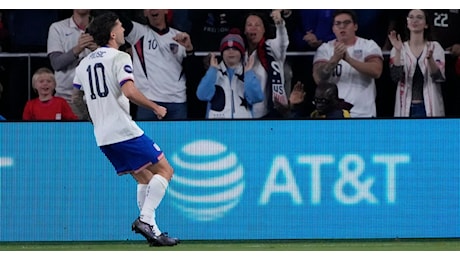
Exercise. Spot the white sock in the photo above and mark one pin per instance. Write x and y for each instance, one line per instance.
(154, 193)
(141, 188)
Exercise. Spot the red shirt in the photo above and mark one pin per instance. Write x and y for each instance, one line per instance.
(54, 109)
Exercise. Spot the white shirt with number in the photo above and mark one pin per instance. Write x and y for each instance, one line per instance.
(157, 60)
(101, 75)
(354, 87)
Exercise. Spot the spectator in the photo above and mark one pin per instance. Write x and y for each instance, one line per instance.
(353, 63)
(308, 29)
(46, 106)
(418, 66)
(314, 28)
(445, 25)
(67, 45)
(159, 52)
(269, 57)
(121, 140)
(327, 101)
(230, 89)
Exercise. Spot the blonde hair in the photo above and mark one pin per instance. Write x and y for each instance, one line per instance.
(42, 71)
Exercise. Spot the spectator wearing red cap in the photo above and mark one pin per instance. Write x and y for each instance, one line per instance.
(230, 87)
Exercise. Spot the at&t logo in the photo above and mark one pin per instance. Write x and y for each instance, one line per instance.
(208, 180)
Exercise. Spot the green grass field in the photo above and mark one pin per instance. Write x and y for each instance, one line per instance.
(245, 245)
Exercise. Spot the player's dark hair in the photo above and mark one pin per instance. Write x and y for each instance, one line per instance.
(101, 27)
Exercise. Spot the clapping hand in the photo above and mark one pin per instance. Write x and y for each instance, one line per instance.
(395, 40)
(213, 61)
(298, 94)
(340, 50)
(84, 41)
(250, 63)
(430, 48)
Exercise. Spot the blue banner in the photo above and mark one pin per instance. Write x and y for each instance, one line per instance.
(247, 179)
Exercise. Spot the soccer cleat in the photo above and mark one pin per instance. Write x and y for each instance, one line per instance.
(175, 238)
(144, 229)
(164, 240)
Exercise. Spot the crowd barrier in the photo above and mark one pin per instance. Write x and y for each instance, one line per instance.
(239, 179)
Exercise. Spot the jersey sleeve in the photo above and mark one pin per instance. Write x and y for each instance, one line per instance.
(123, 67)
(322, 53)
(76, 80)
(54, 39)
(373, 50)
(136, 33)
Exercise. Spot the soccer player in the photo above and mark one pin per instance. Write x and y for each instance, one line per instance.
(105, 78)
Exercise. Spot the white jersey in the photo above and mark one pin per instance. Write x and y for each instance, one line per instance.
(100, 75)
(157, 60)
(354, 87)
(62, 37)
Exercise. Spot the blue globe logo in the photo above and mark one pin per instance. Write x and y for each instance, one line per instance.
(208, 181)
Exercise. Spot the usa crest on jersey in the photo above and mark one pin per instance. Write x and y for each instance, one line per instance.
(358, 54)
(174, 47)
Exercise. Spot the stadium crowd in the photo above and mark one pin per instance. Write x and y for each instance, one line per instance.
(310, 36)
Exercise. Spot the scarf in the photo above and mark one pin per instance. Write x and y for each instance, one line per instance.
(277, 96)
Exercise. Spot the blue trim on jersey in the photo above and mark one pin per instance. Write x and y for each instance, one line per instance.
(132, 155)
(124, 81)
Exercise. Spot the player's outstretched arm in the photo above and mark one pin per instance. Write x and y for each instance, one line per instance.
(135, 96)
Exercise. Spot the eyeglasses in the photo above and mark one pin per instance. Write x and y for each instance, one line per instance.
(345, 23)
(320, 101)
(418, 17)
